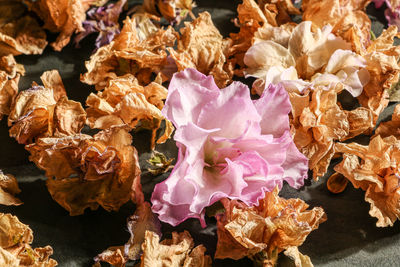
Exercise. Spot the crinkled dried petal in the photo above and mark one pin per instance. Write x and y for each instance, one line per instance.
(61, 16)
(343, 16)
(250, 18)
(318, 121)
(125, 102)
(31, 114)
(275, 225)
(10, 73)
(19, 34)
(112, 255)
(52, 79)
(15, 249)
(8, 188)
(391, 127)
(172, 10)
(202, 47)
(140, 49)
(382, 64)
(361, 120)
(69, 117)
(374, 169)
(141, 221)
(87, 171)
(175, 252)
(299, 259)
(45, 111)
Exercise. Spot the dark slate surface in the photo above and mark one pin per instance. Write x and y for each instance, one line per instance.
(348, 238)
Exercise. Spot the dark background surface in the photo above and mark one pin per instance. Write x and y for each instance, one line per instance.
(348, 238)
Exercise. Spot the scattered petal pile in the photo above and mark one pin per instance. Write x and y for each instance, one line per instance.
(320, 79)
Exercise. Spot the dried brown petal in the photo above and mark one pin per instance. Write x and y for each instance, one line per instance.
(374, 169)
(382, 63)
(19, 33)
(391, 127)
(299, 259)
(125, 102)
(45, 112)
(141, 221)
(87, 171)
(62, 16)
(346, 18)
(8, 188)
(140, 49)
(273, 226)
(175, 252)
(318, 121)
(171, 10)
(10, 73)
(202, 47)
(15, 249)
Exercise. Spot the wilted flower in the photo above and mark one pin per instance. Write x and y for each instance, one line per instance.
(85, 171)
(229, 146)
(374, 169)
(262, 232)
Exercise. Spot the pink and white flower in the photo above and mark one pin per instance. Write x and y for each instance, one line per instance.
(229, 146)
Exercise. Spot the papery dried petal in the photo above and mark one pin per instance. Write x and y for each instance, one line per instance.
(299, 259)
(10, 73)
(382, 64)
(141, 221)
(174, 252)
(61, 16)
(343, 16)
(19, 33)
(45, 111)
(273, 226)
(15, 249)
(374, 169)
(140, 49)
(8, 188)
(125, 102)
(172, 10)
(104, 20)
(318, 122)
(202, 47)
(87, 171)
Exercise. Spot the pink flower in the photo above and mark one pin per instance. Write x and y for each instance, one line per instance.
(229, 146)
